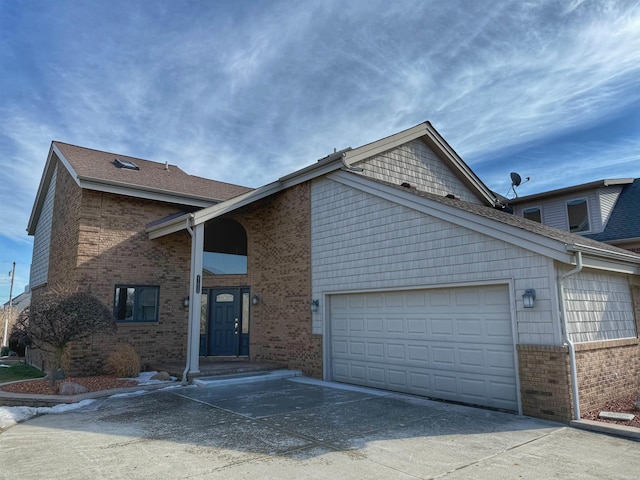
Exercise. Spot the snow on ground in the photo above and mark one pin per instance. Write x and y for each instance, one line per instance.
(9, 416)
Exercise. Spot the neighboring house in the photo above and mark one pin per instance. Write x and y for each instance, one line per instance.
(11, 312)
(605, 210)
(389, 265)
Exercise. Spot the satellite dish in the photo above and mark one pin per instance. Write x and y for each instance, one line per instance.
(516, 180)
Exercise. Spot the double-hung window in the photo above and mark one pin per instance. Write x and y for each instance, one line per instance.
(578, 215)
(136, 303)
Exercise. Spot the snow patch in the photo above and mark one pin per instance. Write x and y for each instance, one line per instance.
(9, 416)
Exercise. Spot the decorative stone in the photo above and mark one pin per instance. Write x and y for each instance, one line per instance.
(161, 376)
(70, 388)
(626, 417)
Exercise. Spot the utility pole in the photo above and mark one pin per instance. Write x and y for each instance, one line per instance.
(7, 313)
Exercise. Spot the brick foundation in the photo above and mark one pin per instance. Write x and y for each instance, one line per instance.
(545, 379)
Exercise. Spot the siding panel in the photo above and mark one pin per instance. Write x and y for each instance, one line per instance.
(42, 238)
(363, 242)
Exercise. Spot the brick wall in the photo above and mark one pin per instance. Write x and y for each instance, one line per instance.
(545, 379)
(98, 241)
(279, 259)
(607, 371)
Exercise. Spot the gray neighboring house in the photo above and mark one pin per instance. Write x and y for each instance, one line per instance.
(605, 210)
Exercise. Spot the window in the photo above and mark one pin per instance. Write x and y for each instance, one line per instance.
(136, 303)
(578, 215)
(225, 247)
(533, 213)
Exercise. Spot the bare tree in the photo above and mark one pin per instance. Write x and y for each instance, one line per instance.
(57, 318)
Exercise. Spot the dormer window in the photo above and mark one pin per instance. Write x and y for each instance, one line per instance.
(578, 215)
(126, 164)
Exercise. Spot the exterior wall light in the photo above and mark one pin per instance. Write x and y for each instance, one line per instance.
(528, 297)
(315, 305)
(185, 302)
(255, 299)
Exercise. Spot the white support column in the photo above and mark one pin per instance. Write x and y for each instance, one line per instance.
(195, 297)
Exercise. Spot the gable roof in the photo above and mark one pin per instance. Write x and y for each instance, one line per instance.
(97, 170)
(624, 222)
(344, 159)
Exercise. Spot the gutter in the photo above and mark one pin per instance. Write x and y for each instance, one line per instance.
(567, 340)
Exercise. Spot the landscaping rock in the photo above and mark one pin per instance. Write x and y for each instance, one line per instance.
(161, 376)
(625, 417)
(70, 388)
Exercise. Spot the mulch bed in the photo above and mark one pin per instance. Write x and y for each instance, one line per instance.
(624, 405)
(42, 386)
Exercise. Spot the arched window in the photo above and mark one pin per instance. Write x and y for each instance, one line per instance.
(225, 247)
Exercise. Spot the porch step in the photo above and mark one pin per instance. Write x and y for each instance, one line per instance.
(249, 377)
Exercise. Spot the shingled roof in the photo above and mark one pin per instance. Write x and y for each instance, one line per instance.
(519, 222)
(625, 219)
(97, 165)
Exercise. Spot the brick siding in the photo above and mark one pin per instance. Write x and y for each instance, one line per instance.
(607, 371)
(98, 241)
(545, 379)
(279, 261)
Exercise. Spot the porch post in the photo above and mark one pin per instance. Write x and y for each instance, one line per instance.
(195, 297)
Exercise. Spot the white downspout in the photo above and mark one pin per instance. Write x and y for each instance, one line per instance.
(191, 288)
(567, 340)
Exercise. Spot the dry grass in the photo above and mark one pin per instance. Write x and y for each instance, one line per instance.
(123, 361)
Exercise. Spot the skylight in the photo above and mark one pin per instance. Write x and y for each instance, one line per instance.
(126, 164)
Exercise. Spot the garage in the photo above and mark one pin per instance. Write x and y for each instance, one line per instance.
(446, 343)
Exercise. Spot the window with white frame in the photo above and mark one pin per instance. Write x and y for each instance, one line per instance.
(533, 213)
(136, 303)
(578, 215)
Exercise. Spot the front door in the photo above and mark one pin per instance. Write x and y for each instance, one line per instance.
(224, 328)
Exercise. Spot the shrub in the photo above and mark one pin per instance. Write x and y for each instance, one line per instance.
(123, 362)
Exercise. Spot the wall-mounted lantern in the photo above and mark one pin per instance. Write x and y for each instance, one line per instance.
(255, 300)
(185, 302)
(315, 305)
(528, 297)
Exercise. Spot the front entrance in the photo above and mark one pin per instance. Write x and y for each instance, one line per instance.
(224, 324)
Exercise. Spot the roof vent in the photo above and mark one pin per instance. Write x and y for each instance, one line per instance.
(125, 164)
(407, 185)
(452, 196)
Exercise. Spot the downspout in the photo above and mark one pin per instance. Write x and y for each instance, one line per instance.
(189, 342)
(567, 340)
(351, 168)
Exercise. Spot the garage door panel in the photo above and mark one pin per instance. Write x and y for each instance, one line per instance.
(454, 344)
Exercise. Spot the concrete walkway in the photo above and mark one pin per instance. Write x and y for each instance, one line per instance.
(301, 428)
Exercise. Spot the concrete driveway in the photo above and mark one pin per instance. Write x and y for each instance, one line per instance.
(300, 428)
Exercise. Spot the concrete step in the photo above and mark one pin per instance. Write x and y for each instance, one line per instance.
(248, 377)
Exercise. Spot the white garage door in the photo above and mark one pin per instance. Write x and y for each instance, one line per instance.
(454, 344)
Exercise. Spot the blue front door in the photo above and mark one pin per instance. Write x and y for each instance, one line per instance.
(224, 327)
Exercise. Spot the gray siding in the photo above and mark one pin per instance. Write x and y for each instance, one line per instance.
(554, 211)
(363, 242)
(42, 238)
(414, 162)
(608, 197)
(599, 306)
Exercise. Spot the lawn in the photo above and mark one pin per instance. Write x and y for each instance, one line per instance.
(11, 370)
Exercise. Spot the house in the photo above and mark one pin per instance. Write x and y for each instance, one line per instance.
(605, 210)
(389, 265)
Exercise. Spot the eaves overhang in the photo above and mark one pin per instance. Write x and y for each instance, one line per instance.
(572, 189)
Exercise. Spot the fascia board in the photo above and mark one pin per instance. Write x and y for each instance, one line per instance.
(434, 139)
(142, 192)
(572, 189)
(515, 236)
(289, 181)
(605, 257)
(47, 174)
(380, 146)
(169, 227)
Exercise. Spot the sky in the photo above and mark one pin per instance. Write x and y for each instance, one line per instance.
(248, 91)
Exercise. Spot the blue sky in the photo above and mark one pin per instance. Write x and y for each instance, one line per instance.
(247, 91)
